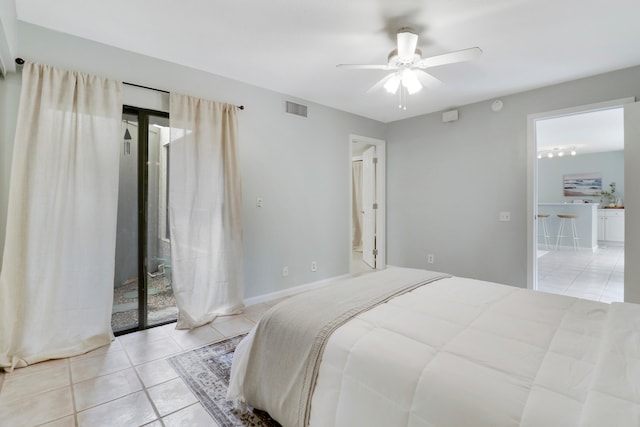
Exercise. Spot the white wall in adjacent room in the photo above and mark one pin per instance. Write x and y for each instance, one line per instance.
(610, 166)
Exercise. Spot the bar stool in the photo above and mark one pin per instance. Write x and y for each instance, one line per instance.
(545, 229)
(574, 231)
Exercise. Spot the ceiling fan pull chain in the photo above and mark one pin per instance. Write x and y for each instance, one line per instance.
(403, 98)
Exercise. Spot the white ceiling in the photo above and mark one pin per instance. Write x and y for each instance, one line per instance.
(591, 132)
(293, 46)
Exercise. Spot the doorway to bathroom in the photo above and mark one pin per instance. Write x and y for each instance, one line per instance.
(367, 239)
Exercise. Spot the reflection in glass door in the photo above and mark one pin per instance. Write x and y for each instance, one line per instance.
(160, 302)
(143, 296)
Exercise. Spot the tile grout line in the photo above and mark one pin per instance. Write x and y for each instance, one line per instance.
(73, 393)
(146, 392)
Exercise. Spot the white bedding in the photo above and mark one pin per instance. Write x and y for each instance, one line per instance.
(461, 352)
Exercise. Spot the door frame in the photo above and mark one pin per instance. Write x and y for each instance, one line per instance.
(381, 168)
(532, 175)
(369, 212)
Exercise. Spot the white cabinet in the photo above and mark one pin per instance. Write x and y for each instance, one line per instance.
(611, 225)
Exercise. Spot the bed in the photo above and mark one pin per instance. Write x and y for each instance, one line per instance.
(408, 347)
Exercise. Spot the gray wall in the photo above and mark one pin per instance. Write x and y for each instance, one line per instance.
(550, 172)
(447, 182)
(300, 167)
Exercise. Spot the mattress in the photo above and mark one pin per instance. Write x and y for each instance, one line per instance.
(459, 352)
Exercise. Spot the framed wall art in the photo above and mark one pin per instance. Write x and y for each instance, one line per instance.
(582, 184)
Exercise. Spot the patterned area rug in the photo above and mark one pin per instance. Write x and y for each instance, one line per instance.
(206, 371)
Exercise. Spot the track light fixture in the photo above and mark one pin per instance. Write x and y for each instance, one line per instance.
(556, 152)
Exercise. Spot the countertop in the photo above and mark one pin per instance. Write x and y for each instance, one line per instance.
(570, 204)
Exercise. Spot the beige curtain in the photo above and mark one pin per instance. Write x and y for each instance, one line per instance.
(205, 203)
(356, 209)
(56, 284)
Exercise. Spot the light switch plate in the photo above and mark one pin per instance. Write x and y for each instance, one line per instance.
(505, 216)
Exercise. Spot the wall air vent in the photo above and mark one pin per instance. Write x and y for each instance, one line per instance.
(297, 109)
(450, 116)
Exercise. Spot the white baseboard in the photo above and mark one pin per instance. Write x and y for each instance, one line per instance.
(292, 291)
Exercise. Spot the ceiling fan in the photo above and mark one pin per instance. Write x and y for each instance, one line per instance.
(408, 66)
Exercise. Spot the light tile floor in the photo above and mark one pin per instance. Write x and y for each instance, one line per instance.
(586, 274)
(127, 383)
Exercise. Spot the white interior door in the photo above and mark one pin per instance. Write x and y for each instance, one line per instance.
(368, 209)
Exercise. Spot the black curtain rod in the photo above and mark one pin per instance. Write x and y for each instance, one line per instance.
(146, 87)
(239, 107)
(20, 61)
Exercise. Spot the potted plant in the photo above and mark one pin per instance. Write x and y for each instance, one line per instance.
(609, 197)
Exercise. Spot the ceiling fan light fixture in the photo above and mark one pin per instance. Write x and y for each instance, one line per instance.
(392, 84)
(407, 66)
(410, 81)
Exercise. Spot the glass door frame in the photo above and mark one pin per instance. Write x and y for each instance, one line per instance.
(143, 205)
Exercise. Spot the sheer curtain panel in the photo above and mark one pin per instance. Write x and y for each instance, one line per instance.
(56, 284)
(205, 203)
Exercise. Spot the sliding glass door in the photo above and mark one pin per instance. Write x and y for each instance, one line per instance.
(143, 296)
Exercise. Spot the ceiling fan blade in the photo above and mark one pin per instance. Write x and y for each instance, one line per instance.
(380, 83)
(450, 58)
(407, 43)
(367, 66)
(427, 79)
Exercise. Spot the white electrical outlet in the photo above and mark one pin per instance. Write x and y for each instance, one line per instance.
(259, 202)
(314, 266)
(285, 271)
(505, 216)
(430, 259)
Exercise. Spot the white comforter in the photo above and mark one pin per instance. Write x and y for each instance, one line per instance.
(461, 352)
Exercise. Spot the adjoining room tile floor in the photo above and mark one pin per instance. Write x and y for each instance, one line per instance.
(585, 274)
(128, 383)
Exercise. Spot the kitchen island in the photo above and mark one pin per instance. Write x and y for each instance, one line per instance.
(586, 224)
